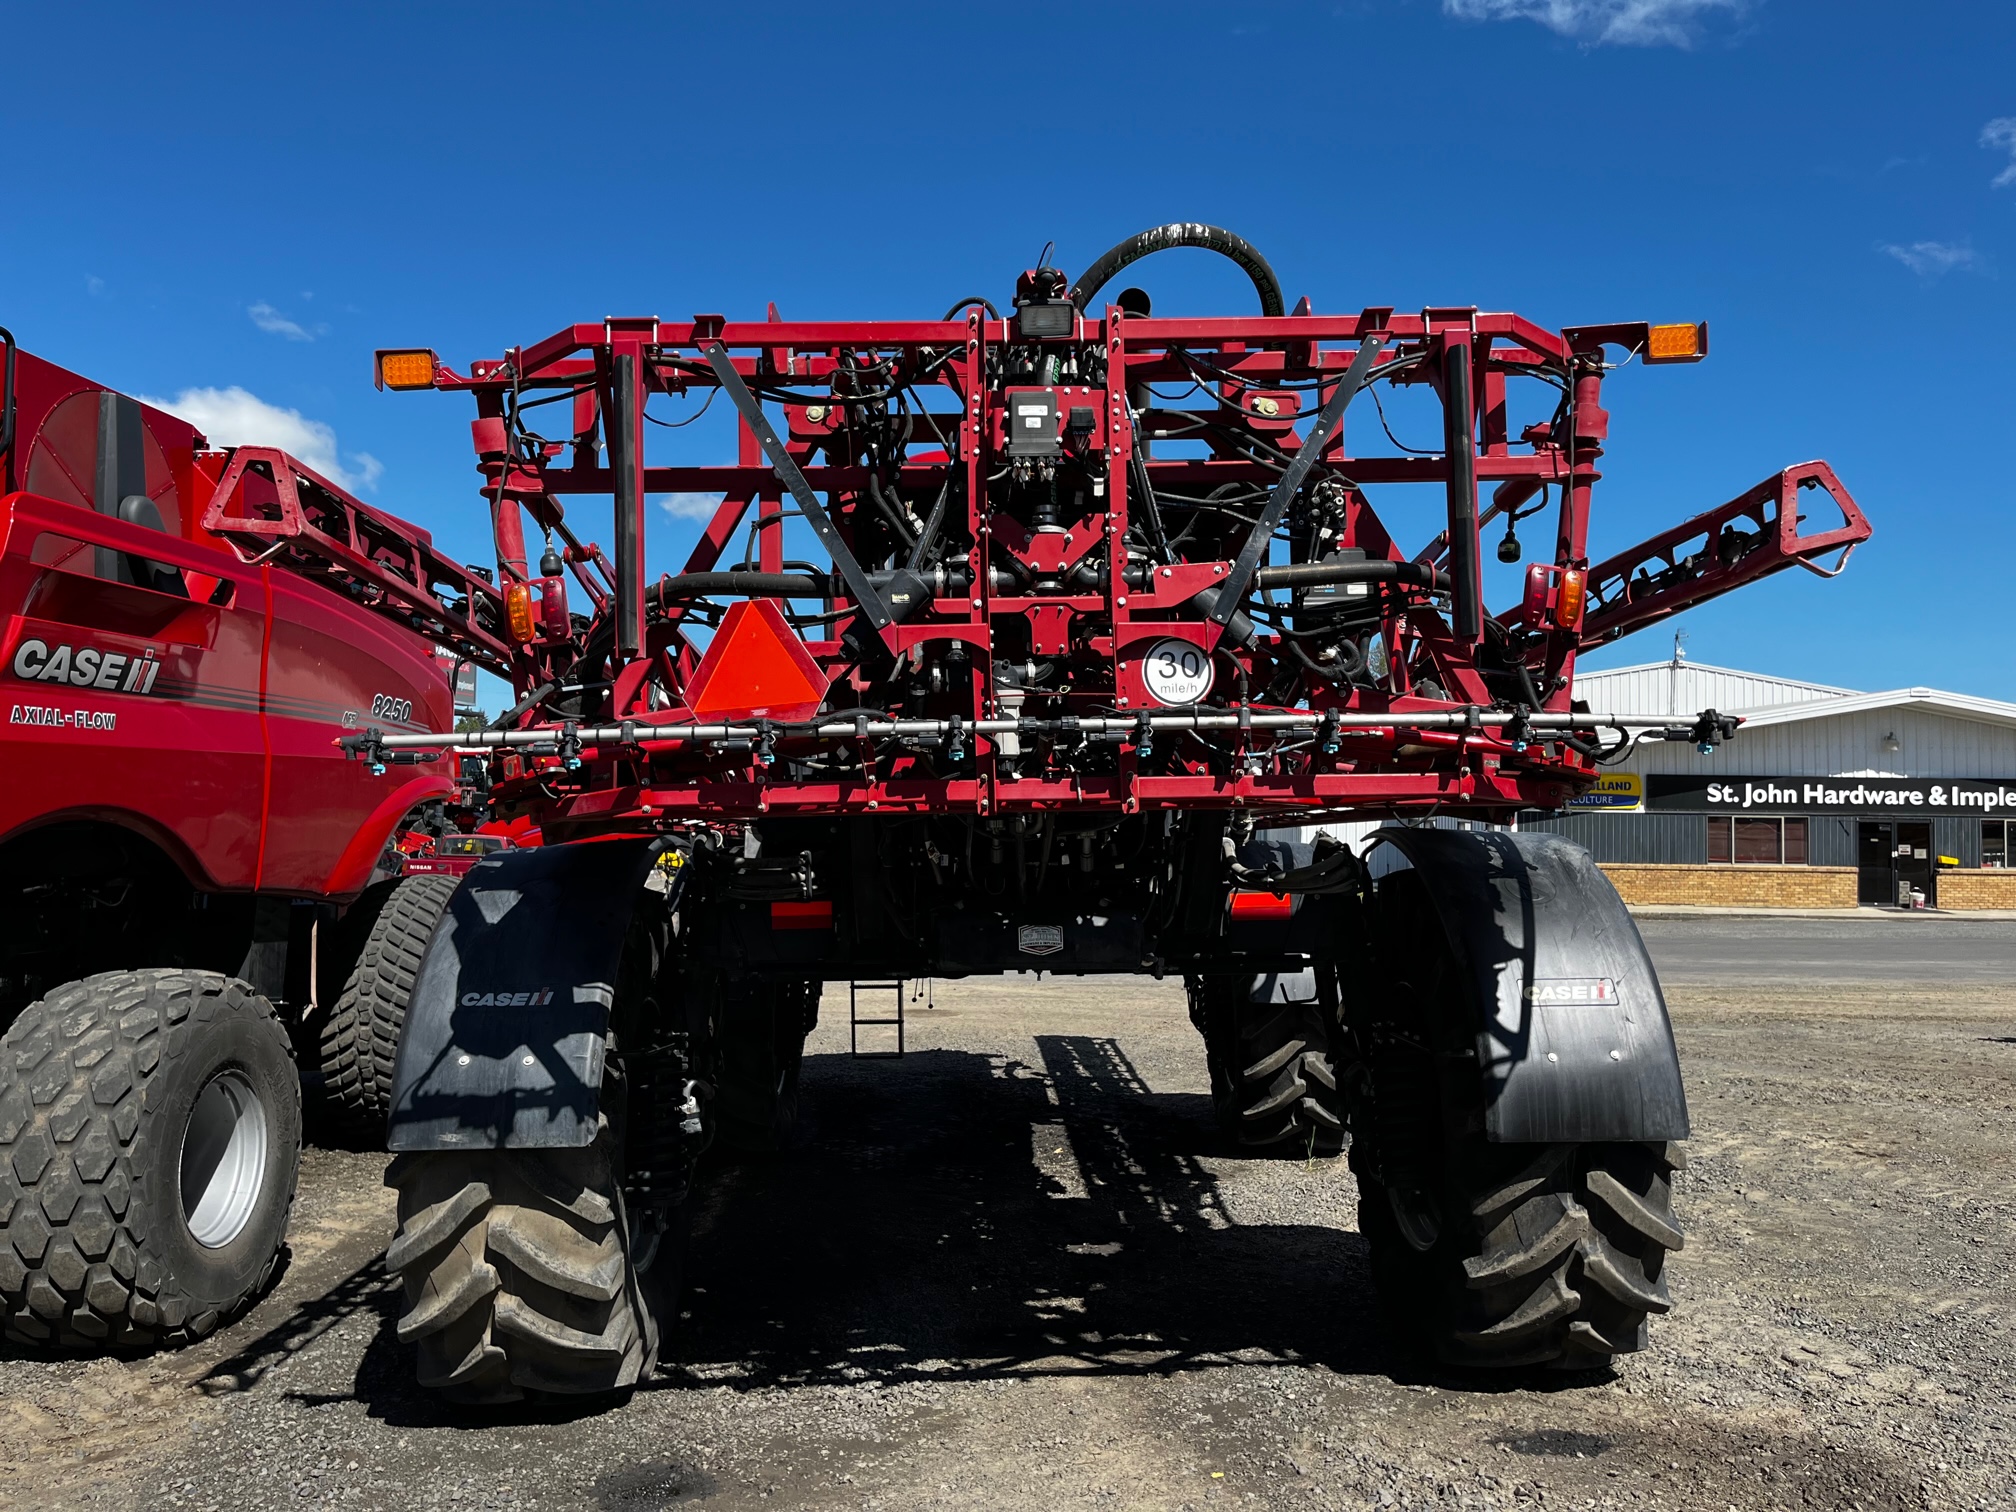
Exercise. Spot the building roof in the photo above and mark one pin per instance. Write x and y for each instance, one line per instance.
(1929, 700)
(1683, 688)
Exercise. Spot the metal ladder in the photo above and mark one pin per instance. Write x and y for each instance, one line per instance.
(856, 1023)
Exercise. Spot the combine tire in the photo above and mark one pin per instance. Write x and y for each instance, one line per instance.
(150, 1125)
(762, 1031)
(1268, 1043)
(379, 947)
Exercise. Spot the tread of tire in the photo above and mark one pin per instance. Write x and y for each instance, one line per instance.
(77, 1270)
(1567, 1260)
(514, 1280)
(1272, 1078)
(359, 1040)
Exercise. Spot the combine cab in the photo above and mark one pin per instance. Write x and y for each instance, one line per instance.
(194, 882)
(1107, 616)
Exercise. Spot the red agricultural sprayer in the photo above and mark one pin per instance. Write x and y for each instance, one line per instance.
(1107, 613)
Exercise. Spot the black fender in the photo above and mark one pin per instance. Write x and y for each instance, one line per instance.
(504, 1035)
(1574, 1043)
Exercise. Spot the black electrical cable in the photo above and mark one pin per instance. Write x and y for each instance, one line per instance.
(675, 424)
(969, 300)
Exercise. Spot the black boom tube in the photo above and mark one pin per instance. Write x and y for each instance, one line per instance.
(1465, 590)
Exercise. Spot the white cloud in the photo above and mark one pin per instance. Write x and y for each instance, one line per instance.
(2001, 133)
(273, 323)
(1632, 23)
(233, 417)
(691, 506)
(1930, 258)
(93, 284)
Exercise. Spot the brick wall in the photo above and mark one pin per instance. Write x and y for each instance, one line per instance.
(1994, 887)
(1744, 886)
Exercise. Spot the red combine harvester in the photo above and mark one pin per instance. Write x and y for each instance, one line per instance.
(1107, 618)
(191, 872)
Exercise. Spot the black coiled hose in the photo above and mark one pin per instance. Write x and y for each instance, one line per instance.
(1182, 234)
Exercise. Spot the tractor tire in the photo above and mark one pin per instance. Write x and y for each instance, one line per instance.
(761, 1031)
(380, 943)
(150, 1131)
(1268, 1044)
(518, 1273)
(1528, 1255)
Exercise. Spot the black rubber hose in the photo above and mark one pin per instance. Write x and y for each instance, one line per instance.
(1350, 661)
(985, 304)
(1182, 234)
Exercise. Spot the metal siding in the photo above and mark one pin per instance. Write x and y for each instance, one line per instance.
(1670, 838)
(1830, 840)
(1960, 838)
(1848, 745)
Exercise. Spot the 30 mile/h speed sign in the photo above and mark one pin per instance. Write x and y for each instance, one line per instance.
(1176, 672)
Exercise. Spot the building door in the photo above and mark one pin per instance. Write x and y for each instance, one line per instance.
(1875, 864)
(1915, 861)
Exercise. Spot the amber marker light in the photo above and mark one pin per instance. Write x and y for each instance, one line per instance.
(1569, 597)
(518, 611)
(406, 368)
(1677, 343)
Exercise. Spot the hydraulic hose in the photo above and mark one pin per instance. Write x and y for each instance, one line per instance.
(1182, 234)
(1318, 574)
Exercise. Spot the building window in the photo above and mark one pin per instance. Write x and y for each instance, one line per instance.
(1757, 842)
(1995, 838)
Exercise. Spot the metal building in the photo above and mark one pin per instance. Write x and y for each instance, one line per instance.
(1907, 787)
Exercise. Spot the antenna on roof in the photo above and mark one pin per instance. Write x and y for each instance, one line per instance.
(1679, 647)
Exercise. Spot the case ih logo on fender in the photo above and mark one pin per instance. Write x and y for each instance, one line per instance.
(507, 999)
(85, 667)
(1573, 992)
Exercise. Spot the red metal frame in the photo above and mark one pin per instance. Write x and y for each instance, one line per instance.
(1438, 733)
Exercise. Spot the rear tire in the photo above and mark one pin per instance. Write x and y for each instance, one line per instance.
(1489, 1255)
(518, 1274)
(761, 1032)
(379, 946)
(523, 1270)
(1273, 1076)
(150, 1130)
(1528, 1254)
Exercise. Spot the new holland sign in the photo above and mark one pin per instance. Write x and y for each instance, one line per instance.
(1943, 796)
(1615, 791)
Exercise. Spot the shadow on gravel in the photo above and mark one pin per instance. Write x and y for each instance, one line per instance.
(942, 1217)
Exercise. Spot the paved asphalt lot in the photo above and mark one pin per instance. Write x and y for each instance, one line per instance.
(1853, 951)
(1014, 1271)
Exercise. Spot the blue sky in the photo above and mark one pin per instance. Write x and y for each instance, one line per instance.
(215, 198)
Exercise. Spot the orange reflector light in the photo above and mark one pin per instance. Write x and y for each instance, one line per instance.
(406, 368)
(1677, 343)
(756, 668)
(1569, 597)
(518, 611)
(817, 914)
(1262, 905)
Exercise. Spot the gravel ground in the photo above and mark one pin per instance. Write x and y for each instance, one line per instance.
(1012, 1270)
